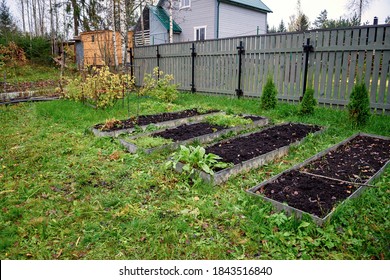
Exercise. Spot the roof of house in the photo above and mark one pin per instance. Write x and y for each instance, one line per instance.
(163, 17)
(251, 4)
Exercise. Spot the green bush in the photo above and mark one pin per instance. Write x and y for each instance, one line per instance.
(160, 85)
(37, 49)
(308, 103)
(359, 104)
(101, 88)
(268, 99)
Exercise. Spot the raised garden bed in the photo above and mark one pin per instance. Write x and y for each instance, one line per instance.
(316, 186)
(170, 119)
(201, 132)
(255, 149)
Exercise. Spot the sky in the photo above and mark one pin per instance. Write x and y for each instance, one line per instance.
(283, 9)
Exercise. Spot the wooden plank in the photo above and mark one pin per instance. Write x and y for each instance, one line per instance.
(317, 61)
(278, 63)
(287, 68)
(338, 62)
(376, 65)
(369, 57)
(293, 66)
(384, 80)
(300, 68)
(330, 74)
(353, 60)
(324, 65)
(344, 68)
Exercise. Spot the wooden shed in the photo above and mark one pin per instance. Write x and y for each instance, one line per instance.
(97, 48)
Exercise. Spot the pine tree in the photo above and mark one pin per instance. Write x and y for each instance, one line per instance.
(282, 27)
(321, 20)
(6, 20)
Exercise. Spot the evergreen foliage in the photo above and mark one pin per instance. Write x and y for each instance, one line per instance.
(268, 99)
(6, 21)
(308, 103)
(359, 104)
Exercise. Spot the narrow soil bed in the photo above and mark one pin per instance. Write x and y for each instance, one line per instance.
(318, 186)
(310, 194)
(188, 131)
(247, 147)
(151, 119)
(356, 161)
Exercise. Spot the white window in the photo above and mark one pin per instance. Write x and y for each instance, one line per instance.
(200, 33)
(185, 4)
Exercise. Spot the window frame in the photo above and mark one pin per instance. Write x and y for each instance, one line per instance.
(198, 28)
(183, 4)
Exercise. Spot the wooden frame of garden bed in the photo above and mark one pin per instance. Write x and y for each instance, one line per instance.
(223, 175)
(299, 213)
(166, 124)
(132, 148)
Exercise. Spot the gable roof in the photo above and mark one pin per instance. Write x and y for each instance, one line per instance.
(257, 5)
(163, 17)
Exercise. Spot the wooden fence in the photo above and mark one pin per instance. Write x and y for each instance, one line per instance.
(339, 57)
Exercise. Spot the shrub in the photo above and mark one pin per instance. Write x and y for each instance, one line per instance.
(308, 103)
(160, 86)
(359, 104)
(100, 88)
(268, 99)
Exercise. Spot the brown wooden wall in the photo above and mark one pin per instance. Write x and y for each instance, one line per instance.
(99, 47)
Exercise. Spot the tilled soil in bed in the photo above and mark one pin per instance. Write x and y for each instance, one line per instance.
(151, 119)
(247, 147)
(318, 186)
(189, 131)
(356, 161)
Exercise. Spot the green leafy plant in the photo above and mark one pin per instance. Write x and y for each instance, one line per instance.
(359, 104)
(268, 99)
(228, 120)
(159, 85)
(308, 103)
(196, 158)
(147, 142)
(101, 88)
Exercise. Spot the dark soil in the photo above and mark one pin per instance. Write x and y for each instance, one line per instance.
(151, 119)
(310, 194)
(188, 131)
(247, 147)
(356, 161)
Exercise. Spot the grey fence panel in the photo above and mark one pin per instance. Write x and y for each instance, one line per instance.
(340, 57)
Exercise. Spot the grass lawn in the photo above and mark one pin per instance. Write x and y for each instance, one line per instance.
(66, 194)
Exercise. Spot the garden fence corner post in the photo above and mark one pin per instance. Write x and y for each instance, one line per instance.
(241, 51)
(307, 49)
(193, 55)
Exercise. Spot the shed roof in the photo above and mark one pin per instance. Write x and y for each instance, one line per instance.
(251, 4)
(163, 17)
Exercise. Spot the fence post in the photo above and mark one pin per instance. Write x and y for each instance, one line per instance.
(241, 51)
(193, 55)
(307, 49)
(131, 62)
(158, 62)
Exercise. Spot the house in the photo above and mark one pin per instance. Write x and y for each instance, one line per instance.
(195, 20)
(97, 48)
